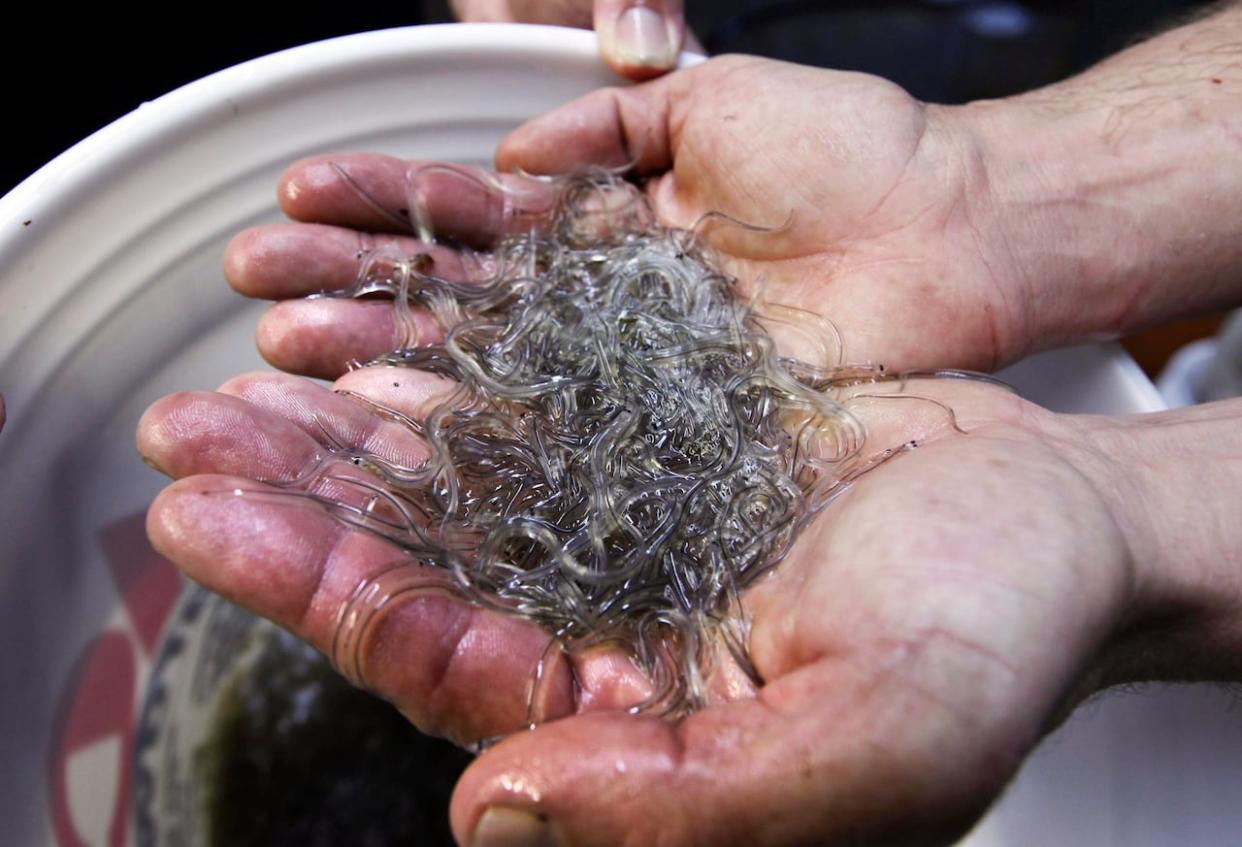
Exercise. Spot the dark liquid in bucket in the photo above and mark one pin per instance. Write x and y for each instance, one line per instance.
(298, 756)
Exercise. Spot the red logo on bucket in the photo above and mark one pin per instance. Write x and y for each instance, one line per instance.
(96, 716)
(100, 710)
(147, 582)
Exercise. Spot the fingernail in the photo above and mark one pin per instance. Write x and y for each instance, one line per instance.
(150, 463)
(643, 38)
(501, 826)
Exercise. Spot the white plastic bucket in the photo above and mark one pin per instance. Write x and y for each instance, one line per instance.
(111, 295)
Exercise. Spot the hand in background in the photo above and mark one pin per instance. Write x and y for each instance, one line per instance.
(932, 236)
(638, 38)
(877, 203)
(875, 200)
(940, 236)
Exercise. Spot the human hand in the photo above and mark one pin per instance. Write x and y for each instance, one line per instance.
(923, 633)
(932, 236)
(941, 236)
(877, 201)
(638, 38)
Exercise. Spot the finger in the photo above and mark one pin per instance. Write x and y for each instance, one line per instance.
(276, 427)
(294, 260)
(635, 47)
(296, 565)
(356, 412)
(611, 127)
(410, 392)
(835, 753)
(576, 13)
(453, 668)
(640, 39)
(321, 338)
(481, 11)
(335, 419)
(377, 193)
(360, 190)
(194, 432)
(202, 432)
(271, 426)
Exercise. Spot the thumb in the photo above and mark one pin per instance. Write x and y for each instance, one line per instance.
(610, 127)
(640, 38)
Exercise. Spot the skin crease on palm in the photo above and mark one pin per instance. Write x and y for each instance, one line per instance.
(906, 643)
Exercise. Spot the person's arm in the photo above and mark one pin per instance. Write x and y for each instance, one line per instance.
(1175, 482)
(1118, 193)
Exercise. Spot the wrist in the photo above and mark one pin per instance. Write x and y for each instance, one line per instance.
(1172, 482)
(1113, 197)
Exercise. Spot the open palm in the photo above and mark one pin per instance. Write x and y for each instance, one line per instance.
(904, 642)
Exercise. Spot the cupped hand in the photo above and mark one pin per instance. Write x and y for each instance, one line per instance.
(878, 209)
(914, 645)
(638, 38)
(881, 204)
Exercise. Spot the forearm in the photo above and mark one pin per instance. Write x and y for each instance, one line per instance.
(1174, 480)
(1116, 196)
